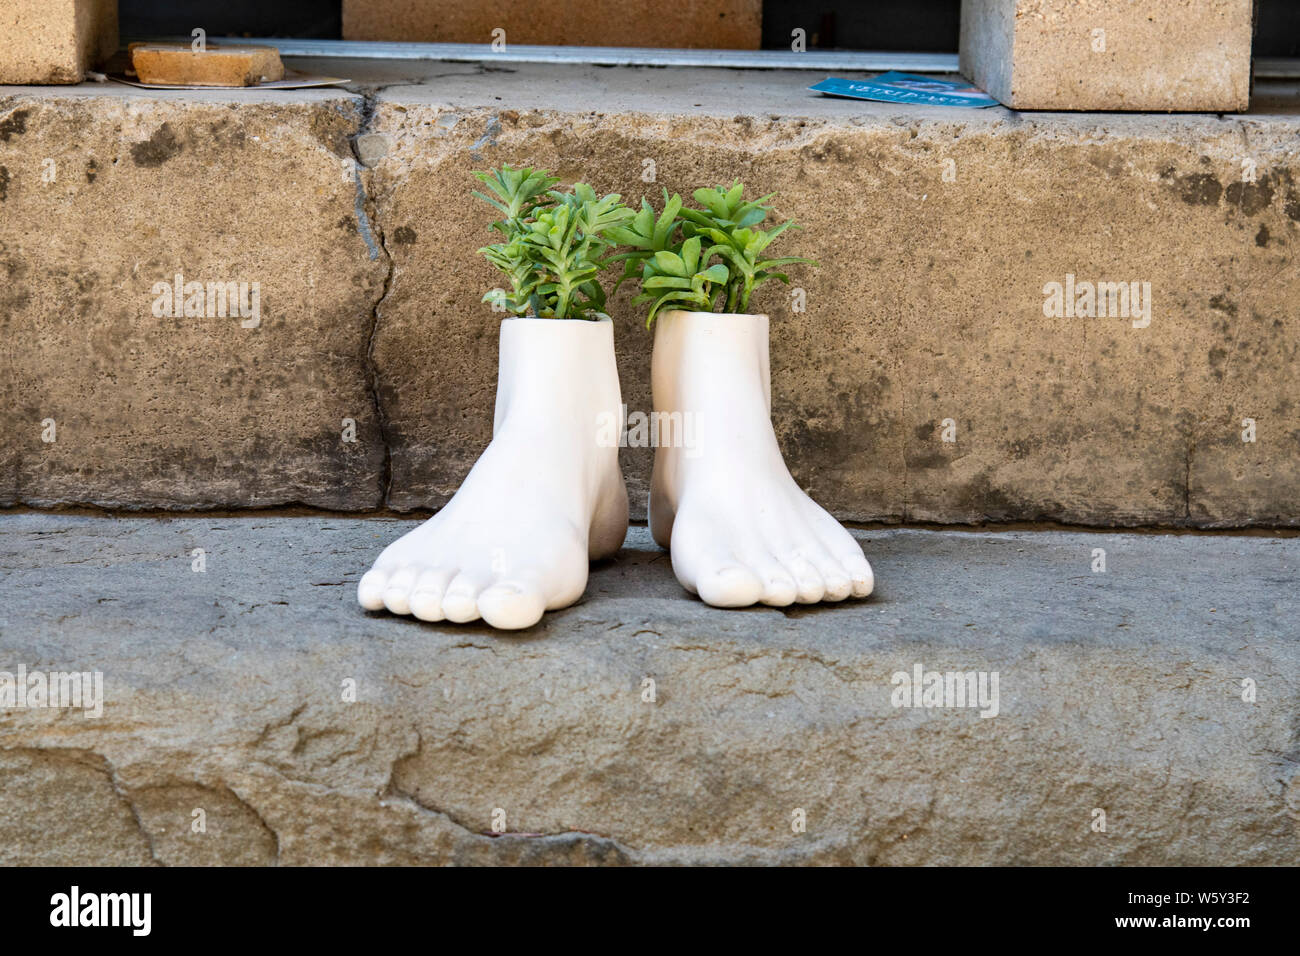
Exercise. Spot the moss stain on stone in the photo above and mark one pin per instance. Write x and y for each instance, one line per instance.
(1199, 189)
(157, 149)
(333, 130)
(1221, 303)
(1292, 207)
(1252, 198)
(15, 124)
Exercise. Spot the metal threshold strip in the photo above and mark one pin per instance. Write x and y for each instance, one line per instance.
(853, 61)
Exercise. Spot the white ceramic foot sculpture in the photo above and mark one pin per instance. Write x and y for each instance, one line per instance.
(740, 530)
(545, 497)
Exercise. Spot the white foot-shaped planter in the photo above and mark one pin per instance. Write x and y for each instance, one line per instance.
(546, 497)
(739, 528)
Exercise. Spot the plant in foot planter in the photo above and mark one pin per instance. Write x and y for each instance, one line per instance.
(739, 528)
(710, 259)
(645, 234)
(505, 550)
(555, 243)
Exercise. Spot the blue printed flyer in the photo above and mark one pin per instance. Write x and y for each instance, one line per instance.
(894, 87)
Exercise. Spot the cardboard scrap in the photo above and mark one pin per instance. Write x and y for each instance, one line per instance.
(293, 80)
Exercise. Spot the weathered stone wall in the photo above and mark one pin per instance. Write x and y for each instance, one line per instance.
(109, 194)
(937, 233)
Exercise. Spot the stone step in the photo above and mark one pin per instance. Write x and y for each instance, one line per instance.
(940, 234)
(1144, 715)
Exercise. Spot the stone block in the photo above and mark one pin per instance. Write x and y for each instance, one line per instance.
(55, 41)
(118, 391)
(1171, 55)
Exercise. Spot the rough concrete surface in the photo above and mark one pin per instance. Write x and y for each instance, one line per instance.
(1190, 55)
(937, 232)
(55, 41)
(706, 24)
(225, 691)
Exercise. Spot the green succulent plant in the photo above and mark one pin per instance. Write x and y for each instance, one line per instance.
(518, 192)
(555, 243)
(710, 259)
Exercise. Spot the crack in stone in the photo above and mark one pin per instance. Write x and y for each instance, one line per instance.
(489, 138)
(107, 768)
(273, 726)
(392, 791)
(261, 820)
(366, 125)
(122, 795)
